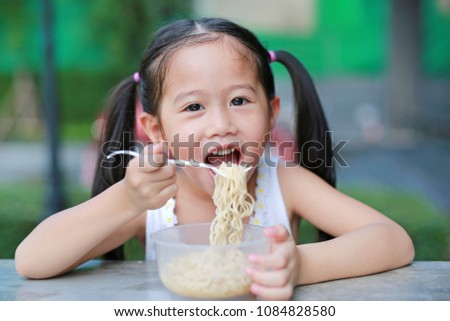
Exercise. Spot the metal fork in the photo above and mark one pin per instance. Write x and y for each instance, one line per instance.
(177, 162)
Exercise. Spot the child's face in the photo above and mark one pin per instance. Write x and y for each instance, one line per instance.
(213, 102)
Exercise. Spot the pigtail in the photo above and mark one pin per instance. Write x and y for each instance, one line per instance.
(118, 133)
(313, 137)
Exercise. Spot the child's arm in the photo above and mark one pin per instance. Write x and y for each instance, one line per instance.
(366, 241)
(65, 239)
(73, 236)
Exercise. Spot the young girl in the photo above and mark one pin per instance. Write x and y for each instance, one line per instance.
(207, 92)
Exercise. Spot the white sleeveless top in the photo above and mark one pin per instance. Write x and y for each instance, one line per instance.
(269, 208)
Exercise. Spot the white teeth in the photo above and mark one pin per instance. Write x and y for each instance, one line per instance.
(223, 152)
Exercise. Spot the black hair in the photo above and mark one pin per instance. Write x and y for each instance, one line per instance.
(311, 124)
(120, 120)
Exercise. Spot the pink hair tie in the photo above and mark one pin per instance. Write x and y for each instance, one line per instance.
(272, 56)
(136, 77)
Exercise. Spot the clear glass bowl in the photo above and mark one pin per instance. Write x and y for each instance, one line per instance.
(192, 268)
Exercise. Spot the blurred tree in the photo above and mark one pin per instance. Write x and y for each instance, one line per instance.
(125, 27)
(19, 34)
(435, 46)
(99, 43)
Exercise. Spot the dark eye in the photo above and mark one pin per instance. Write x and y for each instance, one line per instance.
(238, 101)
(194, 107)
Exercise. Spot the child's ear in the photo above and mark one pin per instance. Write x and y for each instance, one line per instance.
(151, 127)
(275, 105)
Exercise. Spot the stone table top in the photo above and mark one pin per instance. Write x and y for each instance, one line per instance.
(139, 280)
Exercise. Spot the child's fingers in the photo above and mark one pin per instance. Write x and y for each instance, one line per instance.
(279, 257)
(272, 293)
(278, 278)
(168, 192)
(159, 181)
(278, 233)
(154, 155)
(274, 261)
(154, 194)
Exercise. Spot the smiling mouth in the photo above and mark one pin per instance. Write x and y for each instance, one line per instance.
(229, 155)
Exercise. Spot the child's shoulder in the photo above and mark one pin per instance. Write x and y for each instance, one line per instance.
(289, 172)
(299, 183)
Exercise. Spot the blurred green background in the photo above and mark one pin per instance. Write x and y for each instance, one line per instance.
(359, 53)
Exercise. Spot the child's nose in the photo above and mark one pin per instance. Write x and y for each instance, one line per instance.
(220, 123)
